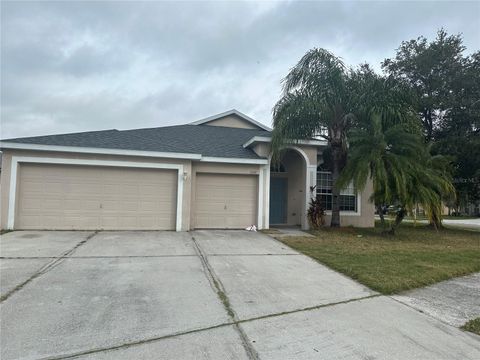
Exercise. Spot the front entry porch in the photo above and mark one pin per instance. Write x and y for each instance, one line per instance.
(290, 188)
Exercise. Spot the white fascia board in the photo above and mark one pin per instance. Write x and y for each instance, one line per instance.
(231, 112)
(89, 150)
(234, 160)
(156, 154)
(265, 139)
(256, 139)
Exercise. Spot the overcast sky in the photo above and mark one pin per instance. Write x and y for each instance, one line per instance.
(79, 66)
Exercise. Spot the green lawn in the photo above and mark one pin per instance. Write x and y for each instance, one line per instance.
(414, 257)
(473, 326)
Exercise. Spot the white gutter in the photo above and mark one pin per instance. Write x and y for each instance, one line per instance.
(91, 150)
(234, 160)
(156, 154)
(265, 139)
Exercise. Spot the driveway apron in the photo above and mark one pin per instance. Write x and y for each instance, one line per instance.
(199, 295)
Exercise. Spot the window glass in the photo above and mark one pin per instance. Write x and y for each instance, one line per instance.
(348, 197)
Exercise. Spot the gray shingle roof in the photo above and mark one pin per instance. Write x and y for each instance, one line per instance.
(206, 140)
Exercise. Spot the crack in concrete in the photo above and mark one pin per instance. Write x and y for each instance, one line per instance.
(193, 331)
(254, 254)
(93, 257)
(133, 343)
(309, 308)
(44, 269)
(221, 293)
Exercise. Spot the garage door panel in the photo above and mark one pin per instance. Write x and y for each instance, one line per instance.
(245, 220)
(92, 197)
(225, 201)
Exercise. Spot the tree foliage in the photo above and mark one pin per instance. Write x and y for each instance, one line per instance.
(373, 129)
(446, 87)
(317, 101)
(401, 167)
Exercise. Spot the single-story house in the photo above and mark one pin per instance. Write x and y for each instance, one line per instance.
(214, 173)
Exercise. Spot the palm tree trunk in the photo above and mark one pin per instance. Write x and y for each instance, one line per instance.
(337, 159)
(398, 219)
(436, 217)
(381, 215)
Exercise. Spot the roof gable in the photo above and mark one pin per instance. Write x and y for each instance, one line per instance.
(232, 118)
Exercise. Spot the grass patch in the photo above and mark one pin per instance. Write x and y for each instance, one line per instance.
(473, 326)
(416, 256)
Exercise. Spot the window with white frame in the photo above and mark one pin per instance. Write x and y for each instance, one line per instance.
(348, 197)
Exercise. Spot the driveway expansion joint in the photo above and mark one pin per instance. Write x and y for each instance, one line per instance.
(132, 344)
(211, 255)
(221, 293)
(193, 331)
(49, 266)
(95, 257)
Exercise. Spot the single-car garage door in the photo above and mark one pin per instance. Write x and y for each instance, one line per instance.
(225, 201)
(93, 197)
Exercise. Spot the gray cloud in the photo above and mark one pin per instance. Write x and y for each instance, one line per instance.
(75, 66)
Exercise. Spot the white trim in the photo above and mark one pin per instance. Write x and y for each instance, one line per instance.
(265, 139)
(261, 189)
(234, 160)
(312, 181)
(130, 164)
(266, 206)
(231, 112)
(90, 150)
(85, 150)
(303, 153)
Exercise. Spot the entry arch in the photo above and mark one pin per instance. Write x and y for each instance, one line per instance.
(300, 177)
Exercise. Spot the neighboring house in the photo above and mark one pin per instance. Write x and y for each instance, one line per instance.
(213, 173)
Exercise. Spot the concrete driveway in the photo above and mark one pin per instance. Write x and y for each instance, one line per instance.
(198, 295)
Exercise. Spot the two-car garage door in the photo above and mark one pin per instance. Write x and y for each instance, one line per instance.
(94, 197)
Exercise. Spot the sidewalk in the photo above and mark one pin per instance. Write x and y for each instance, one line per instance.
(454, 301)
(469, 224)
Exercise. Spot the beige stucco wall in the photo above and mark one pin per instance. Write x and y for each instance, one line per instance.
(262, 149)
(232, 121)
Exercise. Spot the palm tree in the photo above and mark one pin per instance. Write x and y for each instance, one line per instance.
(432, 182)
(387, 156)
(401, 167)
(317, 101)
